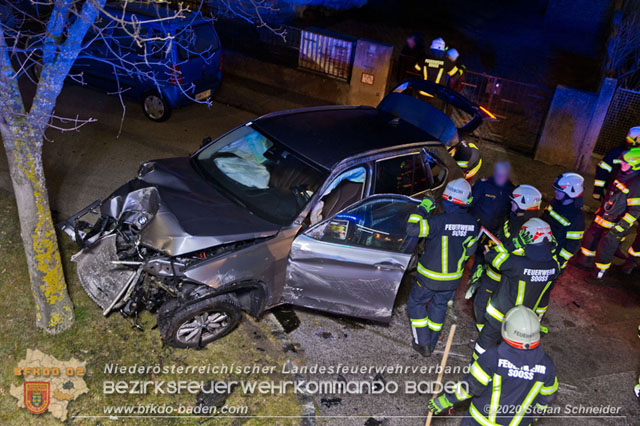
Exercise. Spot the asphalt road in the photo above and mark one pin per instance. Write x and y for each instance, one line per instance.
(592, 329)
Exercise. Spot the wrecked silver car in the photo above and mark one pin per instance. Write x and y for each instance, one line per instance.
(304, 207)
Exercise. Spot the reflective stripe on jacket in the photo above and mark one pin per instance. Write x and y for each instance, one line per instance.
(451, 238)
(508, 386)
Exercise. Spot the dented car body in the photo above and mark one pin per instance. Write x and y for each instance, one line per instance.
(305, 207)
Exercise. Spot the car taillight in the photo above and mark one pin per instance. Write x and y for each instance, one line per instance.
(220, 66)
(176, 75)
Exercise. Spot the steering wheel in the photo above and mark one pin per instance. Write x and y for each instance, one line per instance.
(301, 194)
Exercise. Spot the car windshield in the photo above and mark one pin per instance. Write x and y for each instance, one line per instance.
(261, 174)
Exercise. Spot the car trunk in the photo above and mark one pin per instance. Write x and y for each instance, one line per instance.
(198, 59)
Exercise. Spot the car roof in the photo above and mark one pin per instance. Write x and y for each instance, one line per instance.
(328, 135)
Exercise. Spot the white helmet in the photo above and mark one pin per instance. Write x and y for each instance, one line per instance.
(521, 328)
(527, 197)
(633, 136)
(453, 54)
(538, 230)
(571, 184)
(458, 191)
(438, 44)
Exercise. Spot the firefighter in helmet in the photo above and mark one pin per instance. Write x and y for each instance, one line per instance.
(618, 212)
(451, 238)
(512, 383)
(565, 215)
(527, 271)
(525, 205)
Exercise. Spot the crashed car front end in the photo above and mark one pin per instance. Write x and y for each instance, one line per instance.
(142, 243)
(111, 260)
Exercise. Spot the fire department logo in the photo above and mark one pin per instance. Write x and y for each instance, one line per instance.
(36, 397)
(49, 383)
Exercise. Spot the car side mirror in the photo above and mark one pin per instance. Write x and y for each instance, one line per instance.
(205, 141)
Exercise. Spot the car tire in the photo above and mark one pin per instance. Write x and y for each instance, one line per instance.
(198, 324)
(155, 107)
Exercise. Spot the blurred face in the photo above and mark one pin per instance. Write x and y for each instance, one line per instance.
(559, 195)
(624, 166)
(501, 174)
(411, 42)
(514, 206)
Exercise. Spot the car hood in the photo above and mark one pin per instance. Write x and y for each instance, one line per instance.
(192, 215)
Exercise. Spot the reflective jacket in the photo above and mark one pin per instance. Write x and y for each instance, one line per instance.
(508, 386)
(451, 237)
(510, 230)
(437, 67)
(620, 206)
(567, 226)
(605, 169)
(491, 203)
(527, 277)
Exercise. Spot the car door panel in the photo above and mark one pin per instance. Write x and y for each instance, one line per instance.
(356, 272)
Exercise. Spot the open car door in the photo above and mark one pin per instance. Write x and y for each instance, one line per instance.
(353, 262)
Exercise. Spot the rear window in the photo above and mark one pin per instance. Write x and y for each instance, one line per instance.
(199, 40)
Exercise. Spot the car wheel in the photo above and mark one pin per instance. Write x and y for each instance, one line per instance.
(155, 107)
(198, 324)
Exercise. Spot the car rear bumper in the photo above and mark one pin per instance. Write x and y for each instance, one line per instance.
(177, 98)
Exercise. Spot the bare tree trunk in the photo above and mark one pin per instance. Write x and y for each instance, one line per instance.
(23, 146)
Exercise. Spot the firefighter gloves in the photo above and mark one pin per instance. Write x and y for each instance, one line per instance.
(439, 404)
(428, 204)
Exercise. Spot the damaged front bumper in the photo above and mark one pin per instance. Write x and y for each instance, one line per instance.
(80, 231)
(105, 278)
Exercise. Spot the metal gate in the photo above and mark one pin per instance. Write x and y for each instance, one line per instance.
(520, 110)
(623, 113)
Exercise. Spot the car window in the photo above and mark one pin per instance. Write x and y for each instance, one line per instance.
(158, 45)
(408, 175)
(344, 190)
(124, 42)
(378, 223)
(199, 40)
(404, 175)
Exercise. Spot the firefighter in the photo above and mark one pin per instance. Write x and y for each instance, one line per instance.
(605, 169)
(617, 214)
(467, 155)
(436, 65)
(565, 215)
(456, 71)
(611, 160)
(525, 205)
(511, 384)
(492, 197)
(527, 271)
(451, 238)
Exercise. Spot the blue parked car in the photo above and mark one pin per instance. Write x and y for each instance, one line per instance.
(180, 62)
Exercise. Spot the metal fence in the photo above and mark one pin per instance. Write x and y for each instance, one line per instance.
(329, 54)
(520, 110)
(623, 113)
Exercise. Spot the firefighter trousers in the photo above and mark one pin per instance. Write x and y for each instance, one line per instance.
(634, 250)
(486, 288)
(426, 323)
(599, 244)
(490, 336)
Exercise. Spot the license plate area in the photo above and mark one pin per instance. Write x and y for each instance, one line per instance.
(203, 95)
